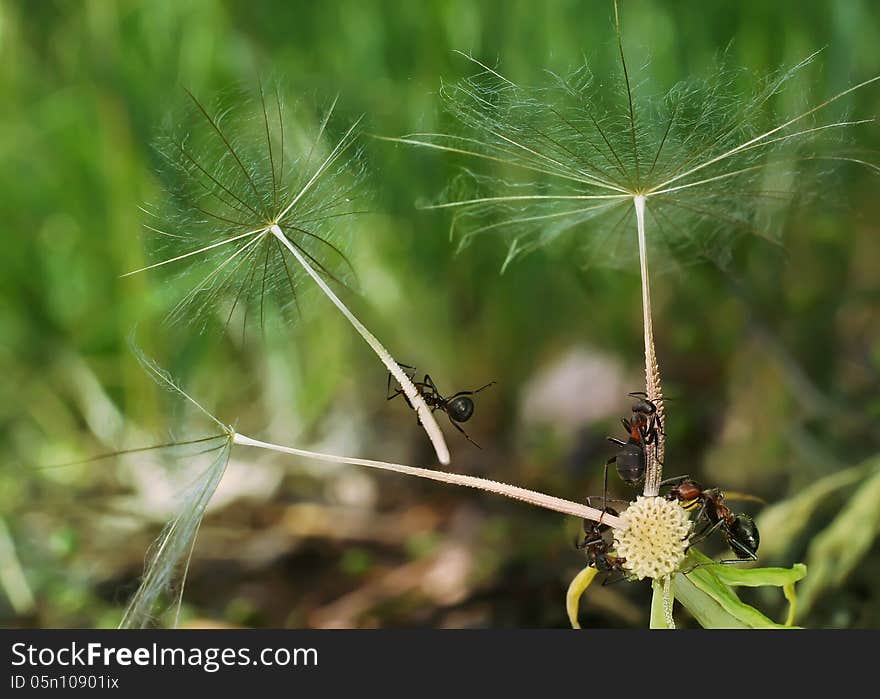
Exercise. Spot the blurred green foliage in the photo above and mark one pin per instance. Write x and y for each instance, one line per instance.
(774, 374)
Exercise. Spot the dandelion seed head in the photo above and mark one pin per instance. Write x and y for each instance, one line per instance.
(655, 539)
(564, 159)
(230, 169)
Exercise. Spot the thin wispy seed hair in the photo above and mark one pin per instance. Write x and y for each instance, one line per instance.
(572, 157)
(231, 171)
(569, 157)
(259, 227)
(167, 563)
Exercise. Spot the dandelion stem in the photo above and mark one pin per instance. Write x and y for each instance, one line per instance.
(532, 497)
(652, 369)
(424, 413)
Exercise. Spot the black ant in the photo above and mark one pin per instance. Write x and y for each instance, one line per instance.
(598, 546)
(458, 407)
(739, 530)
(644, 428)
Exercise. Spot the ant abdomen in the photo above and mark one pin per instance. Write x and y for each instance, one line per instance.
(461, 409)
(630, 462)
(743, 537)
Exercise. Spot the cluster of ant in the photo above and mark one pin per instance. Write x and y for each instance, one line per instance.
(644, 428)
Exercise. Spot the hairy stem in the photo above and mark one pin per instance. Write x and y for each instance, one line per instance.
(668, 599)
(532, 497)
(655, 452)
(424, 413)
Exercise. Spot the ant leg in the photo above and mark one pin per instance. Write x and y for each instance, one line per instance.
(458, 427)
(429, 382)
(705, 534)
(659, 426)
(613, 581)
(591, 542)
(701, 514)
(649, 436)
(392, 396)
(726, 561)
(389, 395)
(590, 497)
(613, 459)
(694, 567)
(731, 561)
(616, 441)
(470, 393)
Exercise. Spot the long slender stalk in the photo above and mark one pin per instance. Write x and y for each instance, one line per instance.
(532, 497)
(655, 452)
(424, 413)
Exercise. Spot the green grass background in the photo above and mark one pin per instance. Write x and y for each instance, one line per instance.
(773, 391)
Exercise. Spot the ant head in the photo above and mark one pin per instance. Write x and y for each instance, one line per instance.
(689, 490)
(642, 404)
(460, 409)
(744, 537)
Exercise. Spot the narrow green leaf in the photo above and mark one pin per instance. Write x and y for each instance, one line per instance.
(714, 580)
(706, 610)
(760, 577)
(708, 582)
(576, 588)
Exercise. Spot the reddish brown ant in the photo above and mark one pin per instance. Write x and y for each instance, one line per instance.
(643, 428)
(739, 530)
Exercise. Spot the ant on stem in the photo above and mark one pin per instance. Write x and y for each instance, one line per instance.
(644, 428)
(458, 407)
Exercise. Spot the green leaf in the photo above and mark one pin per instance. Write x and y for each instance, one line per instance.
(759, 577)
(704, 608)
(726, 610)
(576, 588)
